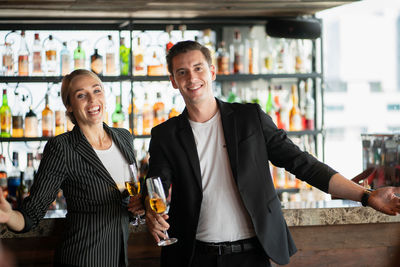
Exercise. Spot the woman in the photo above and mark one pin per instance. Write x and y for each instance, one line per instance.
(79, 163)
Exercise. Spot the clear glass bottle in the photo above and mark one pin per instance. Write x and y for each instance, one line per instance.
(169, 44)
(133, 113)
(252, 54)
(110, 57)
(309, 106)
(138, 60)
(222, 59)
(237, 53)
(5, 116)
(79, 57)
(155, 67)
(118, 116)
(147, 116)
(8, 60)
(173, 111)
(65, 60)
(270, 108)
(51, 56)
(23, 57)
(47, 119)
(37, 56)
(31, 124)
(124, 58)
(158, 110)
(13, 179)
(207, 39)
(96, 62)
(17, 117)
(29, 170)
(294, 114)
(60, 119)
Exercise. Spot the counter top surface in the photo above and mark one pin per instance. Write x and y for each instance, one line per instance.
(333, 212)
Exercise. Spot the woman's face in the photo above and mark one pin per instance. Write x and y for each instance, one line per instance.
(87, 100)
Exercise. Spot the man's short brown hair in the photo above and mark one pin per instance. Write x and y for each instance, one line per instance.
(183, 47)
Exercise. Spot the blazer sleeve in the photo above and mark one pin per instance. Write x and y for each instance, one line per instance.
(47, 182)
(282, 152)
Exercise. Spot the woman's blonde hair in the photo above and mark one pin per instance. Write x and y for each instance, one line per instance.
(66, 88)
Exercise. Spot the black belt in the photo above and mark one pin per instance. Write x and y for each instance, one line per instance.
(225, 248)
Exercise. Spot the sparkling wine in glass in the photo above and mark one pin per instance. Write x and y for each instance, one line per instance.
(158, 204)
(132, 184)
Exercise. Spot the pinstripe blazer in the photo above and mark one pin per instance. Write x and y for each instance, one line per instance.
(96, 229)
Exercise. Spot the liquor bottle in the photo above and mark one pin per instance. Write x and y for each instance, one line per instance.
(209, 44)
(79, 57)
(268, 56)
(37, 56)
(110, 57)
(147, 116)
(299, 56)
(170, 44)
(96, 62)
(22, 190)
(270, 108)
(3, 176)
(124, 58)
(284, 114)
(237, 53)
(158, 111)
(51, 56)
(118, 115)
(182, 28)
(31, 124)
(294, 114)
(133, 113)
(17, 118)
(138, 60)
(65, 60)
(252, 55)
(173, 112)
(70, 125)
(23, 57)
(232, 97)
(5, 116)
(59, 116)
(155, 67)
(309, 107)
(8, 60)
(222, 59)
(47, 119)
(13, 180)
(29, 171)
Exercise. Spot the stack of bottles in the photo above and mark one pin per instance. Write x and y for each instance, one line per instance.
(18, 124)
(53, 57)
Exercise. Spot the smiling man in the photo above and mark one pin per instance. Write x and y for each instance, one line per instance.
(224, 209)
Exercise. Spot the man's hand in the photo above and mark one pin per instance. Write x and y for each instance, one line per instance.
(384, 199)
(156, 223)
(135, 205)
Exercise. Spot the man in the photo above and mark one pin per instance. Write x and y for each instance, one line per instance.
(224, 209)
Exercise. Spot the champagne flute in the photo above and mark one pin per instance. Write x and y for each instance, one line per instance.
(132, 184)
(158, 204)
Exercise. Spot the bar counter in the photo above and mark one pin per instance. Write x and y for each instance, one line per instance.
(326, 233)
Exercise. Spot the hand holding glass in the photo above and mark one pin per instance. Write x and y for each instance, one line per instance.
(132, 184)
(158, 204)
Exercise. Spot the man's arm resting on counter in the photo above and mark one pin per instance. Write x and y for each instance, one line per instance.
(383, 199)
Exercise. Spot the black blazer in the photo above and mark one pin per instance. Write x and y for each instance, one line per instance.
(96, 225)
(252, 140)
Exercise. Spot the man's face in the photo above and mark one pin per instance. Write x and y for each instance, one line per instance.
(193, 77)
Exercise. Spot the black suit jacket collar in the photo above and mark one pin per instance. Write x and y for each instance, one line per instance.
(229, 127)
(83, 147)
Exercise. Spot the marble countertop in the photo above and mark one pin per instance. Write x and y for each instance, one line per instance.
(333, 212)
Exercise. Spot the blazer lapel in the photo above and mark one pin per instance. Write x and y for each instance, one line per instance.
(83, 147)
(186, 138)
(229, 126)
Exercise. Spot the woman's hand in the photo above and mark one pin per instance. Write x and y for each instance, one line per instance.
(156, 223)
(135, 205)
(5, 208)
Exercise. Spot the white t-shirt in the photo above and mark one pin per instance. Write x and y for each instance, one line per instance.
(223, 216)
(115, 164)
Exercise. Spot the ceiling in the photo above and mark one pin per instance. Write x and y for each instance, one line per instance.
(162, 9)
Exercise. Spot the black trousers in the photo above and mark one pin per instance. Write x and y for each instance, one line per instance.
(252, 258)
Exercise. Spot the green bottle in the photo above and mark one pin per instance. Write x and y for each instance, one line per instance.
(5, 116)
(124, 58)
(118, 116)
(79, 57)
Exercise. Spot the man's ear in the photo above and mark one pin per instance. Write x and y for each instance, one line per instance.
(171, 78)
